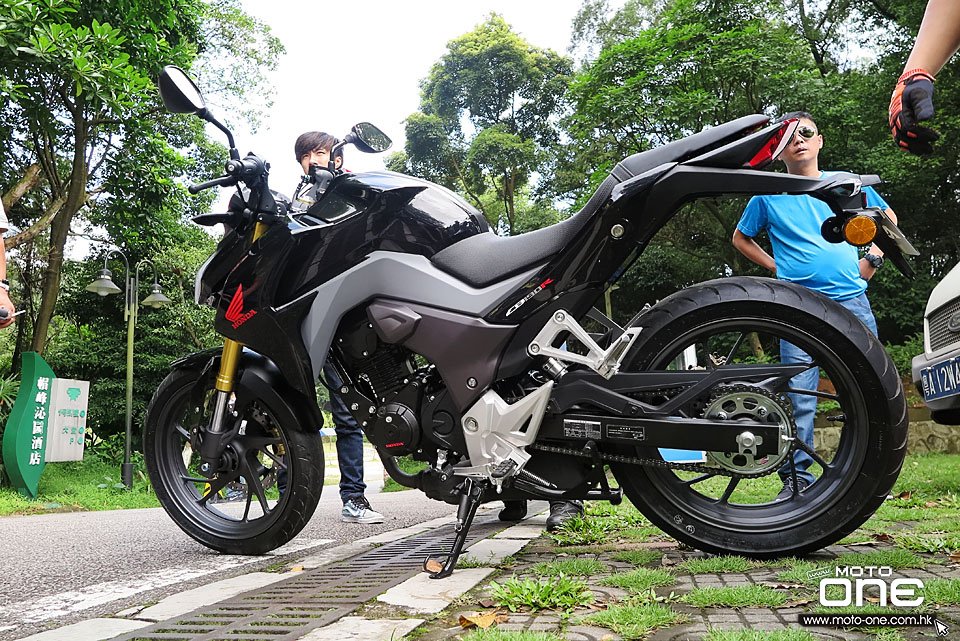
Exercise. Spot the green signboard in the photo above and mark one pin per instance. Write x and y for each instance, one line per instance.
(24, 438)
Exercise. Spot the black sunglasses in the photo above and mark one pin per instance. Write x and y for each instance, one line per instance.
(806, 132)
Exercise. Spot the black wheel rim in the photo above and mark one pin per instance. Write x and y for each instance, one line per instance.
(722, 506)
(239, 504)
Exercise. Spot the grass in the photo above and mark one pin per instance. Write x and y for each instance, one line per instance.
(87, 485)
(408, 465)
(476, 562)
(896, 559)
(583, 531)
(639, 580)
(741, 596)
(933, 543)
(553, 593)
(941, 592)
(715, 634)
(493, 634)
(570, 567)
(590, 549)
(634, 621)
(641, 534)
(637, 557)
(716, 565)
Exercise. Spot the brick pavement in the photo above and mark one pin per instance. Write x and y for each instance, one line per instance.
(698, 620)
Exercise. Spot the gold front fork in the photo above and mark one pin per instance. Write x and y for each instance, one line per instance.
(229, 360)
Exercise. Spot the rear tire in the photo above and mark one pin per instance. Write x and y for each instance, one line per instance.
(269, 439)
(869, 454)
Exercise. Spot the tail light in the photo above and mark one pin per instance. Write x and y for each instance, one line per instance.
(773, 147)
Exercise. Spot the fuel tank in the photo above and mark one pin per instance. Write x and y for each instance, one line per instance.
(373, 211)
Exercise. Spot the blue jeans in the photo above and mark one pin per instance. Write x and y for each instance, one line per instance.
(805, 405)
(349, 441)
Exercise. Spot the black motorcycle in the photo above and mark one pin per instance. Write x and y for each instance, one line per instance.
(472, 353)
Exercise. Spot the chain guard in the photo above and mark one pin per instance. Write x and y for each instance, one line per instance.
(701, 407)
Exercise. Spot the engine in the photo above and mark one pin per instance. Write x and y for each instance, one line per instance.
(385, 374)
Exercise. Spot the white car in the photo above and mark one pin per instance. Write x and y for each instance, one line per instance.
(936, 372)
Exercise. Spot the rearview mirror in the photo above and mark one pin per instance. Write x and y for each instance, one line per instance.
(369, 138)
(180, 95)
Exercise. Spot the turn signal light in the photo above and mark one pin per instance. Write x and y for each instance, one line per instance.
(860, 230)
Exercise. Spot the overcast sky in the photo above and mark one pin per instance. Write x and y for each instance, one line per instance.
(348, 62)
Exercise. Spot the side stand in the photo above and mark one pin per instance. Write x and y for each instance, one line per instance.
(469, 502)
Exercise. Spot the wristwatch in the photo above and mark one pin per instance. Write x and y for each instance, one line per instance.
(874, 260)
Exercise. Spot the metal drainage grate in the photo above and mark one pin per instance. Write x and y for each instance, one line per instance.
(287, 610)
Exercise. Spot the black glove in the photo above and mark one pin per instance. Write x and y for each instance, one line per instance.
(912, 102)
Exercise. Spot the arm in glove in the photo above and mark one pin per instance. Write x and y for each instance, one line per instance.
(912, 102)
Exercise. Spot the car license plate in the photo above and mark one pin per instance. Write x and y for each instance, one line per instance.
(942, 379)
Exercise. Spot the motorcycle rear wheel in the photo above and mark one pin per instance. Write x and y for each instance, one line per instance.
(237, 512)
(720, 515)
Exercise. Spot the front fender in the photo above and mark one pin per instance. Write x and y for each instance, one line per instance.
(257, 377)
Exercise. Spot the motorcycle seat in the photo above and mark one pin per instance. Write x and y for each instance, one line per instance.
(687, 148)
(486, 258)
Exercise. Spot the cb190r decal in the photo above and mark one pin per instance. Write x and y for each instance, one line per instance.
(536, 291)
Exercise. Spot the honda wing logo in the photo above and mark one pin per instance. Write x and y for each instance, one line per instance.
(235, 314)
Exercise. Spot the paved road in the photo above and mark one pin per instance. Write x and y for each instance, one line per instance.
(62, 568)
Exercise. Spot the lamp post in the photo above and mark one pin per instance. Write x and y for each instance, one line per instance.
(105, 286)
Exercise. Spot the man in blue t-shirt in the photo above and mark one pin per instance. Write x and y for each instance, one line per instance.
(801, 255)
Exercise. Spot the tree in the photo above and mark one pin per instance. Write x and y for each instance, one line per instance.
(508, 93)
(84, 122)
(88, 339)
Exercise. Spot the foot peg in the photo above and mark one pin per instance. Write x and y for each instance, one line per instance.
(469, 502)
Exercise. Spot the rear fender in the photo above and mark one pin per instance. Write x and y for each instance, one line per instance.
(258, 377)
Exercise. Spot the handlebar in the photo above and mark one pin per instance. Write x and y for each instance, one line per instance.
(222, 181)
(248, 170)
(249, 167)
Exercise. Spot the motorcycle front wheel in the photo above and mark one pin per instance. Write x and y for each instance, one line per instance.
(273, 485)
(734, 507)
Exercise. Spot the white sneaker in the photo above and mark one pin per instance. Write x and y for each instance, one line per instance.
(358, 510)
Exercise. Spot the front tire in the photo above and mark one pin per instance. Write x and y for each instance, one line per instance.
(259, 518)
(721, 322)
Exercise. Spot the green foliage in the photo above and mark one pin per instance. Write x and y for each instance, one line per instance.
(9, 386)
(80, 104)
(581, 531)
(640, 580)
(716, 565)
(559, 592)
(716, 634)
(87, 485)
(90, 337)
(736, 597)
(495, 634)
(942, 592)
(635, 621)
(570, 567)
(408, 465)
(637, 557)
(902, 355)
(509, 92)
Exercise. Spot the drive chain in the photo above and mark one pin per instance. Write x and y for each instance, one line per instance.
(649, 462)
